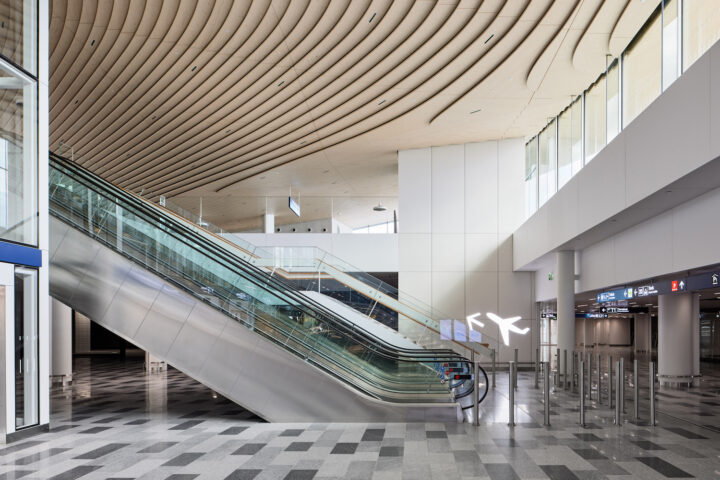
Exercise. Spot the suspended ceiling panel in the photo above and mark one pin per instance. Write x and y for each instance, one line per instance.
(190, 98)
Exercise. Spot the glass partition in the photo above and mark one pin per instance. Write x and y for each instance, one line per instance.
(642, 67)
(701, 28)
(18, 156)
(613, 100)
(531, 177)
(564, 123)
(595, 120)
(18, 23)
(670, 42)
(547, 163)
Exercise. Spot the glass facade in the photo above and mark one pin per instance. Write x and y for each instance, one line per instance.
(18, 156)
(701, 28)
(18, 23)
(677, 33)
(642, 67)
(595, 120)
(531, 177)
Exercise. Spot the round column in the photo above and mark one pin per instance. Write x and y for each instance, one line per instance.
(678, 338)
(566, 301)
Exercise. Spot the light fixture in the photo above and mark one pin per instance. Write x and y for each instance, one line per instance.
(379, 207)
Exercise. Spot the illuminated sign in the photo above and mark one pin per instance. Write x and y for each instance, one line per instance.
(591, 315)
(615, 295)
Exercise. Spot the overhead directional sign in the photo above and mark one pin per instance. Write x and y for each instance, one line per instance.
(615, 295)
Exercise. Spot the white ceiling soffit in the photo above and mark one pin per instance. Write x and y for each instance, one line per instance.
(217, 98)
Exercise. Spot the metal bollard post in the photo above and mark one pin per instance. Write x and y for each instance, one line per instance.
(572, 372)
(546, 392)
(565, 370)
(610, 381)
(589, 376)
(652, 394)
(618, 409)
(621, 374)
(511, 396)
(537, 366)
(516, 365)
(599, 379)
(493, 368)
(557, 369)
(636, 391)
(476, 397)
(582, 395)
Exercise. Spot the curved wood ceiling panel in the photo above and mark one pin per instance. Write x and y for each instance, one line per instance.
(203, 97)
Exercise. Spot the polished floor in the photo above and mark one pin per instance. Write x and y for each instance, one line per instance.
(116, 421)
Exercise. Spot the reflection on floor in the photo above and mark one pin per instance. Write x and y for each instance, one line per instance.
(118, 422)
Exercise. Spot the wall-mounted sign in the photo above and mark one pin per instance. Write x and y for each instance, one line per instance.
(548, 315)
(615, 295)
(294, 206)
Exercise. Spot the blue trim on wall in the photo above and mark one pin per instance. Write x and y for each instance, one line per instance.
(20, 254)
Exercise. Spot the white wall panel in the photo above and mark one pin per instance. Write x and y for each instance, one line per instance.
(448, 293)
(505, 252)
(481, 252)
(696, 233)
(511, 194)
(448, 189)
(640, 250)
(414, 187)
(448, 252)
(481, 292)
(481, 187)
(715, 102)
(415, 252)
(515, 295)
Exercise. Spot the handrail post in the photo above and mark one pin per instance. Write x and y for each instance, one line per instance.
(621, 374)
(618, 382)
(636, 392)
(546, 391)
(652, 394)
(599, 379)
(582, 394)
(589, 375)
(511, 395)
(493, 368)
(476, 399)
(610, 381)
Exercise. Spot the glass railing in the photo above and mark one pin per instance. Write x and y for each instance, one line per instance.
(173, 249)
(311, 268)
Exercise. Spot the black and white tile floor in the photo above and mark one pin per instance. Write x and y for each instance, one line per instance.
(118, 422)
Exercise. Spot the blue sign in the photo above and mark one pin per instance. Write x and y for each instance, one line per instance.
(20, 254)
(615, 295)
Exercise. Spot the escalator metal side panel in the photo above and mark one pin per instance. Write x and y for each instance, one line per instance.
(209, 346)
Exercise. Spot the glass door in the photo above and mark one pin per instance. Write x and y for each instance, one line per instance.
(26, 348)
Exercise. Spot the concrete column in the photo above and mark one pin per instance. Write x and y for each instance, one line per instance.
(678, 337)
(566, 300)
(268, 223)
(61, 345)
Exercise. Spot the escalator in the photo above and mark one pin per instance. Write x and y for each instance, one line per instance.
(156, 280)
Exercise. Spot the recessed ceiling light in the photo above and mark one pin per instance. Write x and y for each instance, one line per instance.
(382, 101)
(489, 38)
(373, 16)
(194, 68)
(92, 42)
(475, 111)
(303, 142)
(280, 84)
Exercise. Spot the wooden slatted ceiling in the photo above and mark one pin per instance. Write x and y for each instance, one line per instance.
(215, 98)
